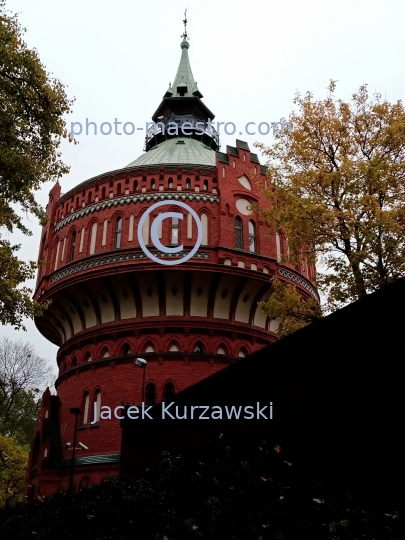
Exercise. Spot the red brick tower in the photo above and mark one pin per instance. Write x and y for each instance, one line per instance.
(112, 304)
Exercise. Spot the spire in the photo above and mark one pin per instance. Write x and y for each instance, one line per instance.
(184, 84)
(182, 104)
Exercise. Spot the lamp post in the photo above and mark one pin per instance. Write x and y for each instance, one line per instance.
(141, 362)
(76, 411)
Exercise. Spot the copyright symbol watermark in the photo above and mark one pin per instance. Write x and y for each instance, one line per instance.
(154, 233)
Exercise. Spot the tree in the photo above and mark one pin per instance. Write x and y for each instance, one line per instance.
(290, 308)
(31, 128)
(13, 465)
(23, 376)
(338, 191)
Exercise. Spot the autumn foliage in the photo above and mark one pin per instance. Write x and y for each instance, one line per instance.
(338, 191)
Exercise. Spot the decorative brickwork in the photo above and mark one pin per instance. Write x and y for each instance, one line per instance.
(111, 304)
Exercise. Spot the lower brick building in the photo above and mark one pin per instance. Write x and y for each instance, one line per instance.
(112, 303)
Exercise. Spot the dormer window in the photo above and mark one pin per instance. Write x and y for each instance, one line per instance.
(182, 89)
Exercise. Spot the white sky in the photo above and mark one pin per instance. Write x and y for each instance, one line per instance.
(249, 59)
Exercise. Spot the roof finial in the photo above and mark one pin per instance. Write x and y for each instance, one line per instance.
(184, 36)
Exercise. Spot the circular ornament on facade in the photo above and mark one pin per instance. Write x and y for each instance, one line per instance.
(242, 206)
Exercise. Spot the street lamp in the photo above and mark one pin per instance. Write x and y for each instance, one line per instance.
(76, 411)
(141, 362)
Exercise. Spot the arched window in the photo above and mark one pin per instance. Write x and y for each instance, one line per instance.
(204, 223)
(145, 230)
(173, 347)
(242, 353)
(118, 228)
(87, 357)
(153, 184)
(221, 350)
(198, 347)
(74, 362)
(205, 185)
(57, 256)
(135, 185)
(175, 231)
(188, 183)
(85, 408)
(238, 233)
(97, 400)
(170, 183)
(150, 394)
(93, 239)
(168, 392)
(72, 246)
(149, 348)
(252, 236)
(126, 349)
(105, 353)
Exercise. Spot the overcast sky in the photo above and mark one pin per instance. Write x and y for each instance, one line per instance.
(249, 59)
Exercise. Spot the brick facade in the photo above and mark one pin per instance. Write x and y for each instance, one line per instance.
(112, 304)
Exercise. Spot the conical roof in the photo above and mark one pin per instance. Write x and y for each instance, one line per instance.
(184, 84)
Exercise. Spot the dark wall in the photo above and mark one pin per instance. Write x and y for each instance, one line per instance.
(336, 386)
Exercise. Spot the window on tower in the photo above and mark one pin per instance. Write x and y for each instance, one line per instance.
(96, 409)
(198, 347)
(188, 183)
(72, 246)
(150, 394)
(126, 349)
(85, 408)
(168, 392)
(175, 231)
(170, 183)
(238, 233)
(153, 184)
(118, 229)
(252, 236)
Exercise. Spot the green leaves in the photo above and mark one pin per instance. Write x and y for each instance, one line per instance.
(32, 125)
(13, 464)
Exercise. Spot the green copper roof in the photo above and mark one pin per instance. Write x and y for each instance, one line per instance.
(184, 84)
(177, 151)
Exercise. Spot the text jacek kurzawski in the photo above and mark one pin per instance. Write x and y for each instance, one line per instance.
(186, 412)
